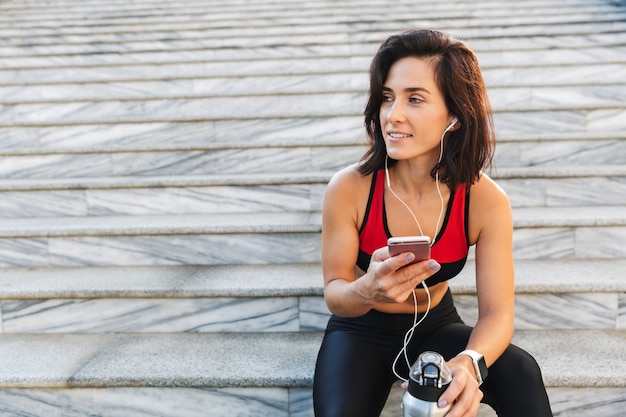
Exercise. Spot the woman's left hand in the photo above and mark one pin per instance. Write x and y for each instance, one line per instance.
(463, 393)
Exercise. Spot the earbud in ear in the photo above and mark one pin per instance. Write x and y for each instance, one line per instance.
(451, 125)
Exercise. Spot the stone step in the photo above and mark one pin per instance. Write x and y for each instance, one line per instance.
(162, 240)
(340, 33)
(294, 222)
(274, 298)
(550, 139)
(340, 144)
(493, 53)
(593, 232)
(163, 195)
(248, 402)
(553, 186)
(289, 192)
(276, 7)
(75, 30)
(602, 155)
(274, 369)
(277, 280)
(123, 18)
(543, 153)
(523, 139)
(181, 85)
(263, 160)
(576, 101)
(340, 11)
(225, 35)
(159, 401)
(325, 20)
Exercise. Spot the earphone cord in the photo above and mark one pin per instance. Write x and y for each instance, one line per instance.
(407, 206)
(409, 334)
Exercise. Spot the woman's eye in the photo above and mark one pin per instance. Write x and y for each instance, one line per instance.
(415, 100)
(387, 99)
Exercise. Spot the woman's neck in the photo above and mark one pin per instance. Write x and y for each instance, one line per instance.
(412, 180)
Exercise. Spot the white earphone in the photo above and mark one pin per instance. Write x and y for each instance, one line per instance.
(451, 125)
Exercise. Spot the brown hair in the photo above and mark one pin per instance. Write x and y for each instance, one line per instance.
(469, 148)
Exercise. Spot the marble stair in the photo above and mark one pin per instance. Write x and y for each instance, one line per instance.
(162, 170)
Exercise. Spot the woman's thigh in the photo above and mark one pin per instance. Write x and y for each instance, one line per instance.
(352, 377)
(448, 341)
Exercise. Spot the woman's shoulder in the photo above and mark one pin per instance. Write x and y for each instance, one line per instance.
(349, 179)
(489, 209)
(486, 191)
(347, 194)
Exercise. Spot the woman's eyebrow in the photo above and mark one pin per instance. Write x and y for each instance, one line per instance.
(409, 89)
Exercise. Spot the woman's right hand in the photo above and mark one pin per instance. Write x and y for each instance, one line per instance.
(392, 279)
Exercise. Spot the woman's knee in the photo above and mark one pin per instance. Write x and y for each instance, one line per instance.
(514, 386)
(516, 363)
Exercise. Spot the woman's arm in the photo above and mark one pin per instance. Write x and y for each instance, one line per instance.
(494, 270)
(491, 229)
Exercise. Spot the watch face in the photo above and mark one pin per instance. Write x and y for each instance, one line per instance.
(482, 366)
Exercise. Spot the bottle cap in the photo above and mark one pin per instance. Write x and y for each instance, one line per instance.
(429, 376)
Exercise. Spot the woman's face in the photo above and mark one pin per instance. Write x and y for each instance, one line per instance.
(413, 114)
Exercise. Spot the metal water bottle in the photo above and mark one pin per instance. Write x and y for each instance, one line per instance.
(428, 379)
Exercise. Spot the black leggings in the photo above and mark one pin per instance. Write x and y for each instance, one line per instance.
(353, 375)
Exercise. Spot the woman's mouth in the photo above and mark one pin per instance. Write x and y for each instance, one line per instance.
(398, 135)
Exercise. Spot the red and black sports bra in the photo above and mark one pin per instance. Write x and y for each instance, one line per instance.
(451, 244)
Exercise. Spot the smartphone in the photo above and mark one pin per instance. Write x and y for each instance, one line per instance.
(419, 245)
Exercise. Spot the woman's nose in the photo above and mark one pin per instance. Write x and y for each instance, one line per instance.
(395, 113)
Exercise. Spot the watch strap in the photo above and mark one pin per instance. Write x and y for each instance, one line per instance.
(480, 366)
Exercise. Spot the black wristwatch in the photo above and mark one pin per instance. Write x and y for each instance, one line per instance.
(480, 366)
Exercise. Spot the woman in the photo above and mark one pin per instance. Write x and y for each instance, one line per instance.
(430, 129)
